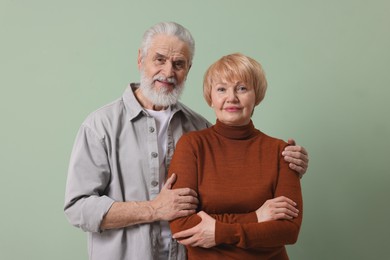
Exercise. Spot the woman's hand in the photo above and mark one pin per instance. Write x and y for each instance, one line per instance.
(202, 235)
(277, 208)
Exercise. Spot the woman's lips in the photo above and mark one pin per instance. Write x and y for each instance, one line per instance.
(232, 109)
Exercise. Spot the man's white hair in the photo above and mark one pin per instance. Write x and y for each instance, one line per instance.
(171, 29)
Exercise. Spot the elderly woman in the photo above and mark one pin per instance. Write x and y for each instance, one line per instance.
(237, 170)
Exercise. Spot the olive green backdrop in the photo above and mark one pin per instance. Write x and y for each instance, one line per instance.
(327, 63)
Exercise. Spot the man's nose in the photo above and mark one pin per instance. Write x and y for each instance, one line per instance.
(168, 69)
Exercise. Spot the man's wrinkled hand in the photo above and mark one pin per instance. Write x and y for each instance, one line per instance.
(297, 157)
(171, 204)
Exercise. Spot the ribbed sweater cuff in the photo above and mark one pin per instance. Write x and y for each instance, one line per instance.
(226, 233)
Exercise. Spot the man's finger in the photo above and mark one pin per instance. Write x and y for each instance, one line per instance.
(185, 213)
(300, 170)
(288, 150)
(186, 192)
(301, 161)
(291, 141)
(189, 199)
(170, 181)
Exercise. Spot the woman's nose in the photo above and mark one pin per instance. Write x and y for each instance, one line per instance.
(231, 96)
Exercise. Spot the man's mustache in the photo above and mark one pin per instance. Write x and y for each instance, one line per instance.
(171, 80)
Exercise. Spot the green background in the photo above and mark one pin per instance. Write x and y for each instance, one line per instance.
(327, 63)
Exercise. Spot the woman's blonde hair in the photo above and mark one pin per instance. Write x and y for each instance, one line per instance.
(232, 68)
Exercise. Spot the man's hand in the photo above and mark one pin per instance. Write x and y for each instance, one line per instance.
(297, 156)
(202, 235)
(277, 208)
(171, 204)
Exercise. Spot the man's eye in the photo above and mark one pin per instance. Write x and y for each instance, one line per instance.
(159, 60)
(179, 65)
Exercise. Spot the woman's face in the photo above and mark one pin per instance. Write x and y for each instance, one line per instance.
(233, 103)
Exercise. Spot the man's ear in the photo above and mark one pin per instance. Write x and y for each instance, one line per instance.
(188, 71)
(139, 60)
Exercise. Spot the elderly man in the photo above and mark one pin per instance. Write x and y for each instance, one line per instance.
(115, 189)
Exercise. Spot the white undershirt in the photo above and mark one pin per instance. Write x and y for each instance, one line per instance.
(162, 118)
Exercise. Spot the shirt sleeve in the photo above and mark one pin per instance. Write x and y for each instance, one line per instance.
(88, 176)
(271, 233)
(184, 165)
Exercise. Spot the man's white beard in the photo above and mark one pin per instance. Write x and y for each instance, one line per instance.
(161, 97)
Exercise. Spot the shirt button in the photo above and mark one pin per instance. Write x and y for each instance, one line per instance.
(154, 183)
(151, 129)
(154, 155)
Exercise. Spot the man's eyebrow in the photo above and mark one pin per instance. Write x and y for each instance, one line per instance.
(175, 59)
(159, 55)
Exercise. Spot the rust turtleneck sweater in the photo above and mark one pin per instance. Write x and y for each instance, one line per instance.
(235, 170)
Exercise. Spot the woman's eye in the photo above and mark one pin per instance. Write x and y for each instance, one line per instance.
(220, 89)
(241, 88)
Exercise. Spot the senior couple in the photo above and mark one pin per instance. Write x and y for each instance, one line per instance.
(146, 164)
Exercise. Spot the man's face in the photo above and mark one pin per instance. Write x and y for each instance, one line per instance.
(164, 69)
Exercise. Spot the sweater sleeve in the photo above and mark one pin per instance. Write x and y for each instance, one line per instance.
(184, 165)
(271, 233)
(250, 217)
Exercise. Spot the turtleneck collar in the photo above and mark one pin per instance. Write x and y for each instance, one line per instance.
(235, 132)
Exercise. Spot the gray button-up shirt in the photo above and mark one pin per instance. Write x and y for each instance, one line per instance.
(115, 158)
